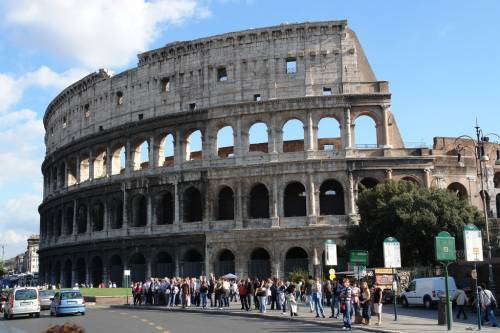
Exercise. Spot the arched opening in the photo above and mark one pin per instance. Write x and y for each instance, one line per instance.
(116, 213)
(116, 270)
(411, 180)
(486, 198)
(80, 271)
(68, 220)
(100, 162)
(225, 263)
(367, 183)
(164, 265)
(192, 264)
(296, 259)
(329, 137)
(118, 161)
(459, 190)
(193, 207)
(71, 180)
(331, 198)
(498, 205)
(365, 132)
(58, 224)
(97, 216)
(167, 151)
(137, 268)
(141, 156)
(139, 211)
(165, 209)
(81, 219)
(84, 168)
(496, 180)
(57, 273)
(194, 146)
(259, 202)
(225, 142)
(293, 136)
(258, 137)
(294, 200)
(67, 272)
(260, 264)
(96, 271)
(61, 180)
(226, 204)
(54, 178)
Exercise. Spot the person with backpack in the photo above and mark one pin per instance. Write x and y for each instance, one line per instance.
(461, 299)
(488, 304)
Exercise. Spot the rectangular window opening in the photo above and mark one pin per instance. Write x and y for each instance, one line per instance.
(291, 66)
(327, 91)
(140, 116)
(165, 85)
(192, 106)
(221, 74)
(328, 147)
(257, 98)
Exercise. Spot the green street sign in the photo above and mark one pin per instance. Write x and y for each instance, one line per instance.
(358, 257)
(445, 247)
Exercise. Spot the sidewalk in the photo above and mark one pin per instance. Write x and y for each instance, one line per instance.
(405, 323)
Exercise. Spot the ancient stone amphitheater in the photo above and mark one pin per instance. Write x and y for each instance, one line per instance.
(127, 187)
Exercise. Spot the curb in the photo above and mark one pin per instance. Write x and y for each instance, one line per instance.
(252, 315)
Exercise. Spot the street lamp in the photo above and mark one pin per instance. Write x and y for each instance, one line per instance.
(481, 158)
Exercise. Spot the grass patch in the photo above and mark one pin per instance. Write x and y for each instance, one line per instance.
(106, 291)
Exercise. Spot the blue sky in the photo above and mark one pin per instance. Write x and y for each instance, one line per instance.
(440, 57)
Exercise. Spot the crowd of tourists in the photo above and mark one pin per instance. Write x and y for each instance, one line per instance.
(344, 300)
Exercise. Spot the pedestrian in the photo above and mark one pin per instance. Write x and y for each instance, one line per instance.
(316, 297)
(308, 293)
(280, 295)
(261, 294)
(377, 303)
(274, 295)
(291, 299)
(365, 301)
(355, 303)
(185, 293)
(488, 304)
(335, 301)
(345, 305)
(250, 292)
(461, 299)
(203, 293)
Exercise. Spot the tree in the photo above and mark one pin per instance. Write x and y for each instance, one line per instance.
(413, 215)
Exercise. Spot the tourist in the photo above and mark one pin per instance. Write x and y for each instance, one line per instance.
(316, 297)
(356, 309)
(365, 302)
(250, 292)
(290, 293)
(488, 304)
(335, 301)
(461, 299)
(345, 304)
(308, 293)
(377, 303)
(203, 293)
(261, 294)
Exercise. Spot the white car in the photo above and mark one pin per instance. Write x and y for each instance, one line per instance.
(427, 291)
(22, 301)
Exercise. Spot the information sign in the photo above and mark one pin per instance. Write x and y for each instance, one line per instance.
(358, 257)
(392, 253)
(330, 253)
(445, 247)
(473, 243)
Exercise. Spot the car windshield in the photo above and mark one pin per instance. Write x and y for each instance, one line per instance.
(71, 295)
(25, 294)
(47, 293)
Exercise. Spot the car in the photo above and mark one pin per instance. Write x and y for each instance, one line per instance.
(67, 302)
(427, 291)
(22, 301)
(46, 297)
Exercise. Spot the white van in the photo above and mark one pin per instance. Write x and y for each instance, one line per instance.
(427, 291)
(22, 301)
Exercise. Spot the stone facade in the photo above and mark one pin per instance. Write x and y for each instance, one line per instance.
(115, 196)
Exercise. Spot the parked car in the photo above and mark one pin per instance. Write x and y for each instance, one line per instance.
(67, 302)
(388, 296)
(46, 297)
(427, 291)
(22, 301)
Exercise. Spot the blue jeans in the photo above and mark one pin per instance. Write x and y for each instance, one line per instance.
(262, 304)
(347, 315)
(317, 304)
(335, 306)
(491, 315)
(203, 297)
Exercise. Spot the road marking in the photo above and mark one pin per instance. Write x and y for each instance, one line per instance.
(159, 328)
(135, 317)
(123, 313)
(151, 324)
(144, 320)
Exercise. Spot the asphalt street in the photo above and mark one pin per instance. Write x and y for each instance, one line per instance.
(104, 320)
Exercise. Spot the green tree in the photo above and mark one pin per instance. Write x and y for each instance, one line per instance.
(413, 215)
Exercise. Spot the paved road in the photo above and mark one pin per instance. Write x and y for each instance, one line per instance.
(129, 321)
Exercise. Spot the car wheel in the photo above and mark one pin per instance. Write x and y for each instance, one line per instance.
(5, 315)
(37, 315)
(404, 302)
(51, 314)
(31, 315)
(83, 313)
(427, 302)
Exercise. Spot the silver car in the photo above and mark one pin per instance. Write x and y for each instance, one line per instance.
(22, 301)
(46, 297)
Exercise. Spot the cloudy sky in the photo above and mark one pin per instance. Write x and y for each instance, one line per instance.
(441, 58)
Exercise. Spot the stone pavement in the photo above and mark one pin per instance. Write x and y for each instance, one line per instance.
(413, 320)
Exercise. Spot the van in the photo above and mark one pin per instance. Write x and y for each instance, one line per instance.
(427, 291)
(22, 301)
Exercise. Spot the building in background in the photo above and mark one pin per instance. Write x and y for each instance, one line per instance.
(31, 255)
(19, 264)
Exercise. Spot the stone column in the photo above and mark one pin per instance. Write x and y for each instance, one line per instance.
(311, 199)
(153, 153)
(149, 207)
(176, 262)
(388, 174)
(347, 135)
(129, 156)
(89, 212)
(275, 139)
(177, 213)
(106, 216)
(239, 145)
(75, 215)
(239, 206)
(311, 133)
(179, 153)
(207, 146)
(77, 176)
(148, 265)
(351, 199)
(385, 125)
(125, 207)
(109, 161)
(91, 165)
(276, 207)
(207, 205)
(427, 177)
(66, 168)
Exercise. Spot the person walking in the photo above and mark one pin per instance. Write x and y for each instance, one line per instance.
(461, 299)
(335, 301)
(290, 298)
(250, 293)
(308, 292)
(488, 304)
(377, 303)
(356, 309)
(203, 294)
(186, 293)
(242, 291)
(261, 294)
(316, 297)
(345, 299)
(365, 301)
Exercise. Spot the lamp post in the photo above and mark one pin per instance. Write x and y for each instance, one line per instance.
(481, 158)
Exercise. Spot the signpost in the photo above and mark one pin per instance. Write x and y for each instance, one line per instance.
(474, 252)
(392, 259)
(126, 274)
(330, 253)
(359, 259)
(446, 253)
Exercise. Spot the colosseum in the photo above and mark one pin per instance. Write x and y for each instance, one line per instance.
(136, 175)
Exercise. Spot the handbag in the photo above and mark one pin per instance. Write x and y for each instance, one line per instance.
(342, 308)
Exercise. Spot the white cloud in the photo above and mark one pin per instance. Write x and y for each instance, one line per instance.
(96, 33)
